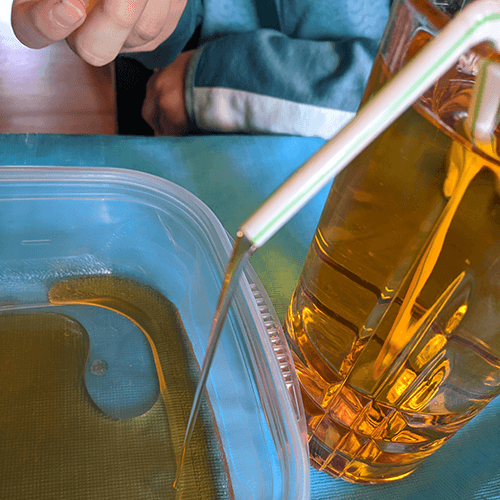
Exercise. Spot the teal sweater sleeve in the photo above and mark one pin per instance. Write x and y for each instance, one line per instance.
(287, 67)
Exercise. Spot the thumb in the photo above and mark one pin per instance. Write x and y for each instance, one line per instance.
(40, 23)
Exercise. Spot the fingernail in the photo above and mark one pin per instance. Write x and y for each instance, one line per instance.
(65, 14)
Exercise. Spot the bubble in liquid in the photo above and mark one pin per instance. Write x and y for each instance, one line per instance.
(99, 367)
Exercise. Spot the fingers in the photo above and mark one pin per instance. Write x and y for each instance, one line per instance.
(40, 23)
(154, 17)
(106, 29)
(158, 21)
(150, 110)
(164, 107)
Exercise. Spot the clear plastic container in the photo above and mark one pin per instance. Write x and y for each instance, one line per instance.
(134, 236)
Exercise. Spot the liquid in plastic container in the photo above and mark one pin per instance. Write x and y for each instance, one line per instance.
(108, 284)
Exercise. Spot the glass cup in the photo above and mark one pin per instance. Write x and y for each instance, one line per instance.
(394, 324)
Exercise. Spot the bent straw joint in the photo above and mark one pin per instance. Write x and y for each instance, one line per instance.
(477, 23)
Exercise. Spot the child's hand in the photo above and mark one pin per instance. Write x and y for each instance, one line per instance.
(164, 107)
(113, 26)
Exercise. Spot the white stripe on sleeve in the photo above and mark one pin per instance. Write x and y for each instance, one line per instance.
(228, 110)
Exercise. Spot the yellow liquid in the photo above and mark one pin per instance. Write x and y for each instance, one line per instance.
(393, 322)
(56, 443)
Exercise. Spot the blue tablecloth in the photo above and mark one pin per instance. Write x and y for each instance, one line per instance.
(233, 175)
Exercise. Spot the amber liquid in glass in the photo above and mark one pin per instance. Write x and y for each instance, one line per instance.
(57, 443)
(384, 324)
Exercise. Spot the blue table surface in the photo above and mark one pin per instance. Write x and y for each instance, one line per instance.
(233, 175)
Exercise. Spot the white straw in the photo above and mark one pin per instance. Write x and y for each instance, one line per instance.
(478, 22)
